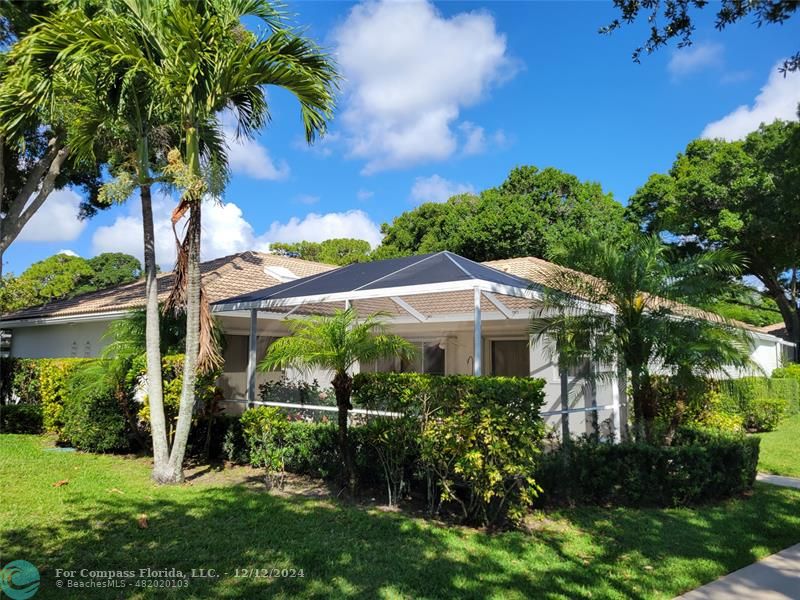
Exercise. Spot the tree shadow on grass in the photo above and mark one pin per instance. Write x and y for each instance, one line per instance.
(352, 552)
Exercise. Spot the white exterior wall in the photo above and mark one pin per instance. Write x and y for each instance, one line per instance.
(84, 339)
(767, 355)
(81, 340)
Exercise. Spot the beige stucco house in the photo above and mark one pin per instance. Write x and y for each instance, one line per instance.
(465, 317)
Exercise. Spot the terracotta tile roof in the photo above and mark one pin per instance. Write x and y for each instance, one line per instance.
(776, 329)
(223, 277)
(245, 273)
(541, 272)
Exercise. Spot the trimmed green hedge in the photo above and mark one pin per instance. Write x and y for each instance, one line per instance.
(791, 372)
(93, 417)
(20, 418)
(700, 466)
(473, 441)
(761, 402)
(415, 394)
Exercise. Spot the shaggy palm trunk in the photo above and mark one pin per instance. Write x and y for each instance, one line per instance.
(186, 408)
(192, 306)
(343, 386)
(155, 395)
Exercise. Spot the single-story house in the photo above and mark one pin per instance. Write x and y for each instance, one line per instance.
(466, 317)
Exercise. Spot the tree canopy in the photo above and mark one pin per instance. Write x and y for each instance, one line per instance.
(36, 137)
(336, 251)
(743, 196)
(529, 214)
(63, 276)
(674, 19)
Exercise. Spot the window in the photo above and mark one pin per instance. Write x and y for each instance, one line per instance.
(510, 358)
(429, 359)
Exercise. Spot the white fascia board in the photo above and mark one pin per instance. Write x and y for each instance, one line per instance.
(262, 314)
(770, 338)
(408, 290)
(64, 320)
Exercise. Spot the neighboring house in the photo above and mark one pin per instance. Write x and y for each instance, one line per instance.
(465, 317)
(75, 327)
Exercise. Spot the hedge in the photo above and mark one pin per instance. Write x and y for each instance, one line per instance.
(474, 441)
(76, 399)
(21, 418)
(762, 402)
(700, 466)
(93, 417)
(43, 381)
(416, 394)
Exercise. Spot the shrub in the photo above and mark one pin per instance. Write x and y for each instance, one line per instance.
(700, 466)
(478, 437)
(296, 392)
(764, 413)
(272, 441)
(8, 366)
(790, 373)
(21, 418)
(234, 444)
(315, 449)
(265, 429)
(92, 415)
(760, 401)
(43, 381)
(396, 444)
(172, 383)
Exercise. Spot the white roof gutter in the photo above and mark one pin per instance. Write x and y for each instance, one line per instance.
(64, 319)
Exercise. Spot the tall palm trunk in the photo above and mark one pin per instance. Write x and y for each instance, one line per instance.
(155, 393)
(193, 301)
(343, 386)
(188, 287)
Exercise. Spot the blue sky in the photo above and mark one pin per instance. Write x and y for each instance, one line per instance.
(445, 98)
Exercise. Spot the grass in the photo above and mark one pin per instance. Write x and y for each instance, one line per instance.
(91, 522)
(780, 449)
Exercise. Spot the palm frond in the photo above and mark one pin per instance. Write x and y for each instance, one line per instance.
(335, 342)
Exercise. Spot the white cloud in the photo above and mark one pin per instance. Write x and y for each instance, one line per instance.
(248, 157)
(409, 72)
(125, 233)
(474, 138)
(692, 59)
(316, 228)
(56, 220)
(437, 189)
(68, 252)
(307, 199)
(364, 195)
(778, 99)
(226, 231)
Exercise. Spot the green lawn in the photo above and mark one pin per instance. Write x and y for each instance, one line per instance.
(780, 449)
(91, 523)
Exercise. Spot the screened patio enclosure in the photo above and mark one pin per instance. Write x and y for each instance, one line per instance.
(467, 318)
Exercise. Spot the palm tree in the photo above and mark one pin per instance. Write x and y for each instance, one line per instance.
(336, 343)
(127, 119)
(630, 313)
(196, 59)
